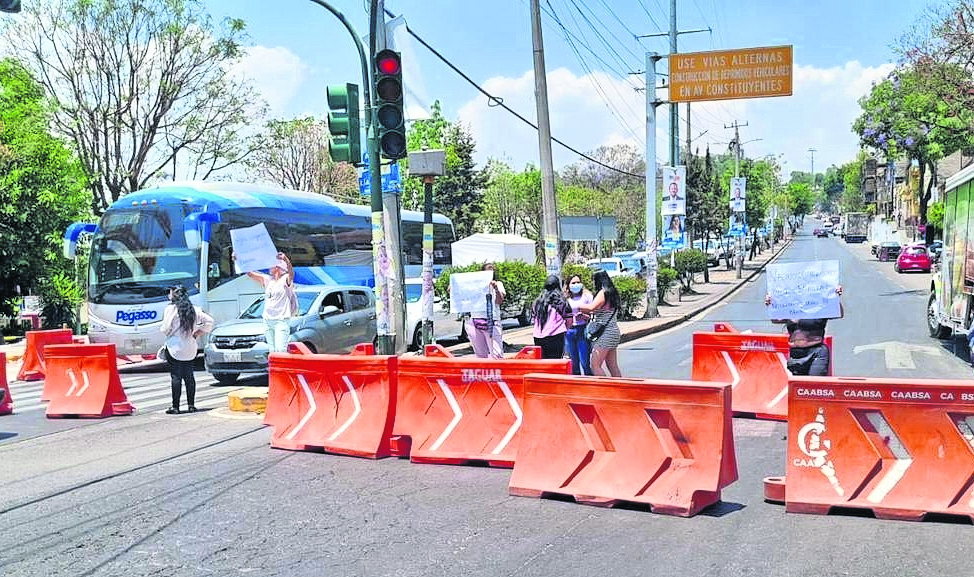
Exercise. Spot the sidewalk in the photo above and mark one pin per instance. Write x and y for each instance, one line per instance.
(722, 284)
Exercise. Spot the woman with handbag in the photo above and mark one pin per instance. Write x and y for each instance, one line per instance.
(603, 328)
(579, 347)
(183, 323)
(550, 311)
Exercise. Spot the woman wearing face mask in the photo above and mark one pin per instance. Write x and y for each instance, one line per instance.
(579, 348)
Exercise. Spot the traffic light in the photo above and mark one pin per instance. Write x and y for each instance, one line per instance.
(389, 104)
(343, 123)
(9, 5)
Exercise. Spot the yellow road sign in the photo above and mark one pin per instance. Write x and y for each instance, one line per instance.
(731, 74)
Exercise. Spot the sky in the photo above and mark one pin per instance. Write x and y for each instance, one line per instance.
(591, 52)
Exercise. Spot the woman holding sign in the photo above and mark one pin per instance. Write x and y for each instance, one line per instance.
(807, 353)
(280, 302)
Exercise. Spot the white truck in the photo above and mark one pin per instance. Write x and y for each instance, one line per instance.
(856, 226)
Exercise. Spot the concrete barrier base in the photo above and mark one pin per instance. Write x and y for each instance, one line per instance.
(248, 400)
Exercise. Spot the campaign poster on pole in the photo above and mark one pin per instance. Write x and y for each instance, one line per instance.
(674, 190)
(738, 193)
(804, 290)
(674, 229)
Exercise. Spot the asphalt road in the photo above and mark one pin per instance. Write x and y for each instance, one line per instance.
(204, 495)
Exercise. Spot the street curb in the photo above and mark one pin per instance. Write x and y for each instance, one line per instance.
(247, 400)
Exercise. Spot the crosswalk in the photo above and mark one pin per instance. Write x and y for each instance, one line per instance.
(148, 392)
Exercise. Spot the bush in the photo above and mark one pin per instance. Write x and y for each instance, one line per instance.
(60, 296)
(688, 263)
(665, 277)
(632, 294)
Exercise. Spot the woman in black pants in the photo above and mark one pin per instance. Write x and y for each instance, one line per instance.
(182, 323)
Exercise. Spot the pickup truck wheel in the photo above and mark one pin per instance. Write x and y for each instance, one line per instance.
(937, 330)
(226, 378)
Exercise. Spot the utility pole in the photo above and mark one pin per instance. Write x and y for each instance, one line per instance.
(813, 151)
(739, 259)
(674, 109)
(549, 205)
(652, 298)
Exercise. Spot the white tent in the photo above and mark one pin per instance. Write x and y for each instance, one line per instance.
(484, 247)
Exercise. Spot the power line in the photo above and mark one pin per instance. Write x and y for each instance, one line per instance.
(499, 102)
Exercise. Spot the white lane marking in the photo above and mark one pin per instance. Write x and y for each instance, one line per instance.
(358, 409)
(457, 415)
(519, 416)
(312, 407)
(784, 392)
(732, 368)
(903, 458)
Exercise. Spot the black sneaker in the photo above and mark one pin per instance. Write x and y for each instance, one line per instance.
(172, 411)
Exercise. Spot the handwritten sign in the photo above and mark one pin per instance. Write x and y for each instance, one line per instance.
(253, 248)
(804, 290)
(468, 291)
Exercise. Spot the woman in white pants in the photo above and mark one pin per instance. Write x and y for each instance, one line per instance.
(280, 302)
(484, 329)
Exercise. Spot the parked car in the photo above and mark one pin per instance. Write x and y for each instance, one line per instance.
(445, 325)
(331, 319)
(714, 252)
(634, 262)
(612, 265)
(821, 232)
(935, 249)
(913, 257)
(888, 250)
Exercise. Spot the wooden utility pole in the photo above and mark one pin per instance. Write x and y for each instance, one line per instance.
(549, 205)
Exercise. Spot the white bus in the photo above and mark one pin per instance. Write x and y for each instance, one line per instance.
(179, 233)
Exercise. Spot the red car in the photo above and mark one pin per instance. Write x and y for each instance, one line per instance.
(913, 257)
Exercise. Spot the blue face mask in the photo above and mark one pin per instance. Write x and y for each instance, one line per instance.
(575, 288)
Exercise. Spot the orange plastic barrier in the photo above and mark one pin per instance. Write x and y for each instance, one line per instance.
(900, 448)
(298, 349)
(755, 364)
(83, 381)
(342, 404)
(33, 368)
(725, 328)
(606, 441)
(463, 409)
(6, 403)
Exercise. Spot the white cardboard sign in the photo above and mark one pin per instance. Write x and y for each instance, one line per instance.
(253, 248)
(803, 290)
(468, 290)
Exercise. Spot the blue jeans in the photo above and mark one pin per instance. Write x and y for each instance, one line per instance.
(580, 350)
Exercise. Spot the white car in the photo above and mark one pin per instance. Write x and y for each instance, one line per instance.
(610, 264)
(445, 325)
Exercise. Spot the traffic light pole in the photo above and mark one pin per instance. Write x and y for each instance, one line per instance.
(382, 265)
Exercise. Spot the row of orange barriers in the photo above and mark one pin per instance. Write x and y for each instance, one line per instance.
(665, 444)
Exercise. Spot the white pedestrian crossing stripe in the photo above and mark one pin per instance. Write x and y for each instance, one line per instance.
(149, 393)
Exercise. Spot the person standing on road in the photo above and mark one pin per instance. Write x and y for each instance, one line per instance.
(182, 323)
(605, 310)
(550, 310)
(579, 347)
(484, 328)
(808, 354)
(280, 302)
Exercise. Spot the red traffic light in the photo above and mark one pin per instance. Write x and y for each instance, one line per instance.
(387, 62)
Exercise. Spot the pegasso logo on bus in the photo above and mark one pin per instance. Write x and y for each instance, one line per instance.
(132, 317)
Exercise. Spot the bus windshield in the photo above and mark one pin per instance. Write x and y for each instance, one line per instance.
(139, 253)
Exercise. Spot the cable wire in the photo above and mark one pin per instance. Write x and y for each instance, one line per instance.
(499, 102)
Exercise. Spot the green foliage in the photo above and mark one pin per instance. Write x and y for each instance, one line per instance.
(801, 198)
(935, 214)
(43, 188)
(665, 279)
(632, 294)
(60, 296)
(687, 263)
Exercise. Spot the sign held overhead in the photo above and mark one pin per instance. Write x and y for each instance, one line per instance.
(731, 74)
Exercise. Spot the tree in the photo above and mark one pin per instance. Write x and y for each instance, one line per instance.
(43, 188)
(459, 193)
(801, 199)
(294, 155)
(140, 86)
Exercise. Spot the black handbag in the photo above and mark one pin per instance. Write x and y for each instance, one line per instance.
(594, 330)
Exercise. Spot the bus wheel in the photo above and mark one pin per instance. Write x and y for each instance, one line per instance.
(226, 378)
(937, 330)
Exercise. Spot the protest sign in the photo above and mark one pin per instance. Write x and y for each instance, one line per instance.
(253, 248)
(468, 290)
(804, 290)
